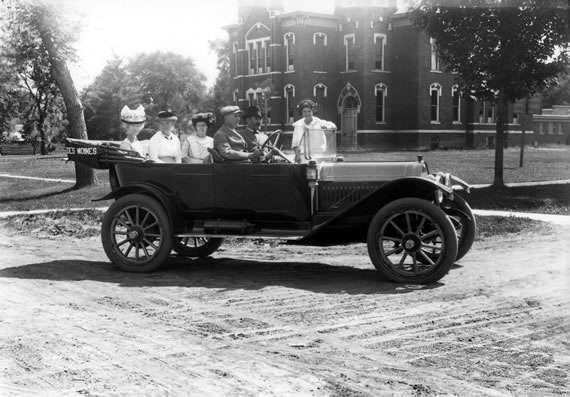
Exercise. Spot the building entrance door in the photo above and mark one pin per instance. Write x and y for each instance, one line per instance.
(349, 118)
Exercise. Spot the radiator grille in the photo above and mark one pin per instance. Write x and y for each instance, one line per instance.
(337, 195)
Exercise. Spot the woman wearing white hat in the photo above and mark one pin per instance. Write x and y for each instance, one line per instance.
(133, 122)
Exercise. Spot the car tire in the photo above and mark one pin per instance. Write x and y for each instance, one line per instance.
(196, 247)
(398, 238)
(464, 223)
(136, 233)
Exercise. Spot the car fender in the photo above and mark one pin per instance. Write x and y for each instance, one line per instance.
(358, 216)
(166, 198)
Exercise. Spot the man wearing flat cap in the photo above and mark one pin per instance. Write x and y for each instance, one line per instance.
(228, 142)
(164, 146)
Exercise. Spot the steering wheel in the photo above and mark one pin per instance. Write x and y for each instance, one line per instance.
(276, 133)
(276, 151)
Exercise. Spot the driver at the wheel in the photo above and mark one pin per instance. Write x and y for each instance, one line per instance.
(253, 137)
(228, 142)
(251, 134)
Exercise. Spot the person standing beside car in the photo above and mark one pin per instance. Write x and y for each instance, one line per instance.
(164, 146)
(133, 122)
(308, 132)
(195, 147)
(229, 143)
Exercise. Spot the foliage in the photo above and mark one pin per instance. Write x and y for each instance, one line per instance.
(503, 50)
(103, 100)
(558, 94)
(39, 45)
(28, 83)
(158, 81)
(221, 92)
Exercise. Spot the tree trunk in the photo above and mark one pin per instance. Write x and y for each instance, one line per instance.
(84, 176)
(502, 110)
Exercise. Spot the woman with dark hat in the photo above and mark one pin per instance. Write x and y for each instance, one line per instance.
(308, 131)
(133, 122)
(164, 146)
(195, 147)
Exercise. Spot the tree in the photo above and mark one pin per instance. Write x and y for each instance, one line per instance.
(558, 94)
(171, 80)
(221, 92)
(503, 50)
(157, 80)
(105, 97)
(33, 75)
(42, 34)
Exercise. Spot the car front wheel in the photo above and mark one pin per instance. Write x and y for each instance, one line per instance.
(412, 241)
(136, 233)
(463, 221)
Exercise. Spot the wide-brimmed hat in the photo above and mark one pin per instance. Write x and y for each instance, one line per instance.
(252, 111)
(166, 115)
(207, 118)
(230, 110)
(130, 116)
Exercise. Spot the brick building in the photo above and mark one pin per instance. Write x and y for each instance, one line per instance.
(369, 69)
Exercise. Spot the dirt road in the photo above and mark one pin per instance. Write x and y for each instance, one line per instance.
(261, 320)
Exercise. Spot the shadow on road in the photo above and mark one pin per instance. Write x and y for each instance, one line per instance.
(221, 273)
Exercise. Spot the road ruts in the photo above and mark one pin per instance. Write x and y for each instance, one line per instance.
(262, 320)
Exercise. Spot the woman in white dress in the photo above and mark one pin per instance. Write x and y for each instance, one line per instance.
(133, 122)
(164, 146)
(308, 132)
(195, 147)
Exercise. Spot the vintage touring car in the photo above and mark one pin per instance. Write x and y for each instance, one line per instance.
(414, 226)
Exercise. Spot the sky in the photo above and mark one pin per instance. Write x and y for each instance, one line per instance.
(128, 27)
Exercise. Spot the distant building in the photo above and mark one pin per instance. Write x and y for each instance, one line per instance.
(552, 126)
(369, 69)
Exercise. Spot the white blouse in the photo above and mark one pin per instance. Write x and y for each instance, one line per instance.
(195, 148)
(135, 146)
(164, 149)
(317, 138)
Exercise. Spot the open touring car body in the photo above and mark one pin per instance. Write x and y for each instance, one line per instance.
(414, 225)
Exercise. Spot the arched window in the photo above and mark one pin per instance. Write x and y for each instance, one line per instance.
(289, 40)
(379, 47)
(381, 92)
(289, 95)
(456, 103)
(349, 46)
(320, 90)
(434, 57)
(434, 93)
(235, 52)
(319, 51)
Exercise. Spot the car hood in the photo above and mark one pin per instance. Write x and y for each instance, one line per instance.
(369, 171)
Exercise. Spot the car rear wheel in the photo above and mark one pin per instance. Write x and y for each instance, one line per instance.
(196, 247)
(136, 233)
(412, 241)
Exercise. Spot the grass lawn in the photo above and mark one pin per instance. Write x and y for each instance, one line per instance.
(478, 166)
(475, 166)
